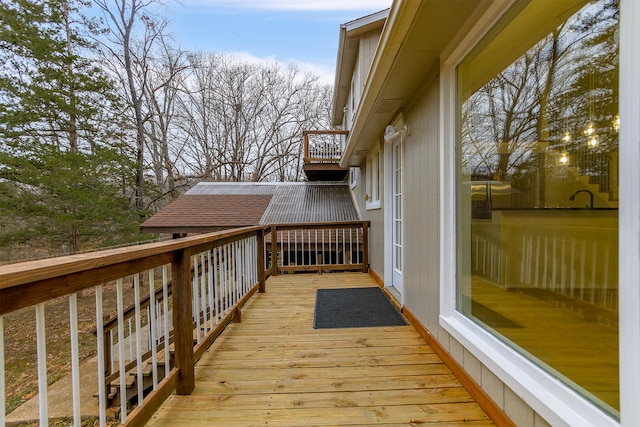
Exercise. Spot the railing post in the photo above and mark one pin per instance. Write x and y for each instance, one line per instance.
(274, 251)
(183, 321)
(365, 247)
(306, 146)
(261, 272)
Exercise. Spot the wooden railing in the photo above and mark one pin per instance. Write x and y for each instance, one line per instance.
(327, 146)
(199, 297)
(186, 291)
(338, 246)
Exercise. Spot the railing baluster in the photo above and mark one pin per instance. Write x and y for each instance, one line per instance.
(288, 249)
(41, 339)
(102, 387)
(121, 357)
(130, 338)
(195, 302)
(351, 245)
(224, 280)
(216, 284)
(210, 290)
(358, 245)
(165, 306)
(203, 293)
(324, 261)
(330, 248)
(137, 336)
(152, 328)
(75, 357)
(111, 345)
(237, 279)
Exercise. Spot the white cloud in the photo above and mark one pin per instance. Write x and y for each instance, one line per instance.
(297, 4)
(325, 73)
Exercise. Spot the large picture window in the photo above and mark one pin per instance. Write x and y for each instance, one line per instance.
(537, 189)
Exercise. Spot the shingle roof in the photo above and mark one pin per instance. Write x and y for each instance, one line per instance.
(214, 206)
(202, 213)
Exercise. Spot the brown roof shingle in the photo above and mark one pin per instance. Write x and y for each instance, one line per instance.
(201, 213)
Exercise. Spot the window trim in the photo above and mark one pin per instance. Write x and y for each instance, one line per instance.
(555, 402)
(353, 177)
(373, 179)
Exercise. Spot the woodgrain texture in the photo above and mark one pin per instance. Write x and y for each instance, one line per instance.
(273, 368)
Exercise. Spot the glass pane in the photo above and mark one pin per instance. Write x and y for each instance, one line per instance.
(537, 190)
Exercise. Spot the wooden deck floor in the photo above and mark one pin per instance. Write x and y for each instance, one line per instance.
(274, 369)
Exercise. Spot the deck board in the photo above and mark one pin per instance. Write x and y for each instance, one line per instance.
(274, 369)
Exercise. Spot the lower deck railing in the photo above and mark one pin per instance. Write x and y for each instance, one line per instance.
(184, 293)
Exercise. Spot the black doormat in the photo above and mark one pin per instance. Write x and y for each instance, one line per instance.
(354, 308)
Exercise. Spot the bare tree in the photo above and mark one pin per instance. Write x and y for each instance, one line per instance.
(124, 17)
(244, 121)
(164, 85)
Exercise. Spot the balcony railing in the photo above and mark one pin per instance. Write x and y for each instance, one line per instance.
(327, 146)
(185, 291)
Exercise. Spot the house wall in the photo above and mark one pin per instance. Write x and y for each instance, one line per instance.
(421, 207)
(368, 43)
(376, 216)
(367, 49)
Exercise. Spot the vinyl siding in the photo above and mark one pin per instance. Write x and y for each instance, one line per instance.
(421, 207)
(376, 216)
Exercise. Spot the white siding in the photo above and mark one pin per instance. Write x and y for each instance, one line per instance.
(376, 232)
(367, 49)
(421, 169)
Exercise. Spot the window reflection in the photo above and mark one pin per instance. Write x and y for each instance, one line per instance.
(538, 189)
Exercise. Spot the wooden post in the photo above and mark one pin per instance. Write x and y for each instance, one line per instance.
(261, 272)
(365, 247)
(182, 322)
(306, 146)
(274, 251)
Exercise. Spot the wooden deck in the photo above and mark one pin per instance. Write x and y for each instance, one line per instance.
(273, 369)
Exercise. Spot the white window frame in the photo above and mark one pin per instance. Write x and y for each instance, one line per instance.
(558, 404)
(373, 179)
(353, 177)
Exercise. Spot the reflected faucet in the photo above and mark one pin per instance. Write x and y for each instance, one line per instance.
(573, 197)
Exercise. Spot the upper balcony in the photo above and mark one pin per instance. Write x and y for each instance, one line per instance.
(323, 150)
(205, 326)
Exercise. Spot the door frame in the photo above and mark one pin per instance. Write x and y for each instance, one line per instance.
(388, 176)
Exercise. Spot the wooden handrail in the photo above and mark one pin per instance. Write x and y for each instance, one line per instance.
(29, 283)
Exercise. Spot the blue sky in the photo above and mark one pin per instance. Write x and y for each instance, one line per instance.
(302, 31)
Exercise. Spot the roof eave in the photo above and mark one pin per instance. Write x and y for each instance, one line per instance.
(414, 37)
